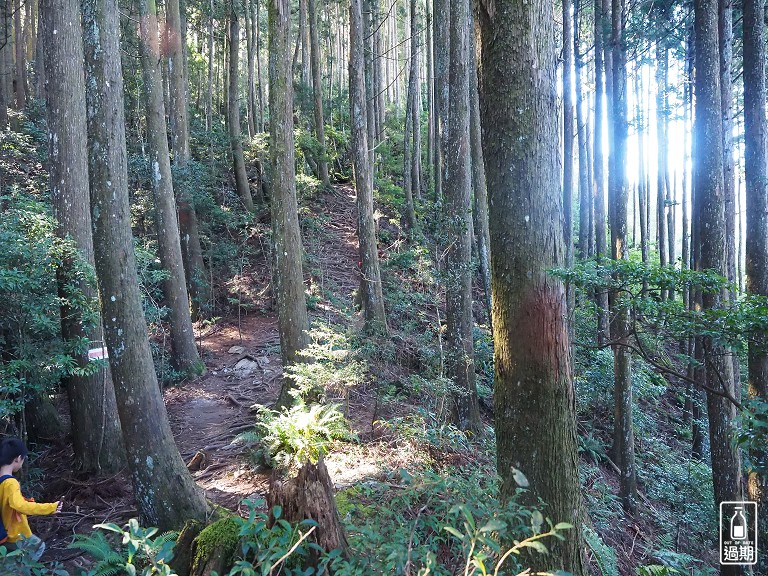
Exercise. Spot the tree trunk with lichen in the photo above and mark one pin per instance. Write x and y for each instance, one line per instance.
(534, 400)
(96, 436)
(370, 275)
(184, 356)
(166, 495)
(287, 251)
(191, 251)
(457, 218)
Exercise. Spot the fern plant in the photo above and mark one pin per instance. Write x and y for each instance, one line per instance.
(140, 552)
(298, 434)
(602, 554)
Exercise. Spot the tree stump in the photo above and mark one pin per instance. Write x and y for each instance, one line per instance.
(214, 549)
(310, 496)
(183, 551)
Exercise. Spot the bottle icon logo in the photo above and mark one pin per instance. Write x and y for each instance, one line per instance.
(738, 533)
(738, 525)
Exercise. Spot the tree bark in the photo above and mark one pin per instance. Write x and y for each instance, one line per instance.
(233, 112)
(20, 70)
(96, 434)
(585, 196)
(756, 175)
(370, 275)
(191, 251)
(4, 47)
(457, 188)
(317, 91)
(568, 134)
(599, 163)
(184, 356)
(441, 62)
(533, 396)
(479, 184)
(166, 495)
(287, 251)
(623, 427)
(709, 208)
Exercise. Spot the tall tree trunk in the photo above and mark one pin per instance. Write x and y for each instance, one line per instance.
(304, 41)
(184, 354)
(4, 47)
(96, 434)
(415, 103)
(233, 112)
(191, 251)
(661, 149)
(568, 136)
(479, 185)
(410, 208)
(441, 60)
(431, 122)
(599, 163)
(20, 76)
(317, 91)
(209, 93)
(585, 201)
(457, 189)
(250, 41)
(709, 207)
(725, 34)
(166, 495)
(642, 193)
(410, 178)
(257, 10)
(756, 249)
(533, 394)
(623, 427)
(370, 276)
(287, 251)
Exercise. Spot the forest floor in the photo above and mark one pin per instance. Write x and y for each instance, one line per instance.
(241, 353)
(242, 357)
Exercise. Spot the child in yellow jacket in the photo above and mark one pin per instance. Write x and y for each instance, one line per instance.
(14, 508)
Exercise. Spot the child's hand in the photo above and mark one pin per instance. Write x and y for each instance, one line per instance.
(59, 506)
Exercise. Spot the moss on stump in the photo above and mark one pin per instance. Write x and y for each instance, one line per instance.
(215, 547)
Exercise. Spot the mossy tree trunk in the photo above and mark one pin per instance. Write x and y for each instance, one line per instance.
(166, 495)
(96, 435)
(534, 397)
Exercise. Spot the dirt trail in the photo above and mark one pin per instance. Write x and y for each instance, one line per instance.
(208, 413)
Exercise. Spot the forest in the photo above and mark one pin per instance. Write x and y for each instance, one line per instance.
(409, 287)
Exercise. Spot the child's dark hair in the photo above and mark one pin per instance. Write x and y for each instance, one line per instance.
(10, 448)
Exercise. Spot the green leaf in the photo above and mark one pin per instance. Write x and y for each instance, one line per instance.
(520, 478)
(493, 526)
(452, 530)
(563, 526)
